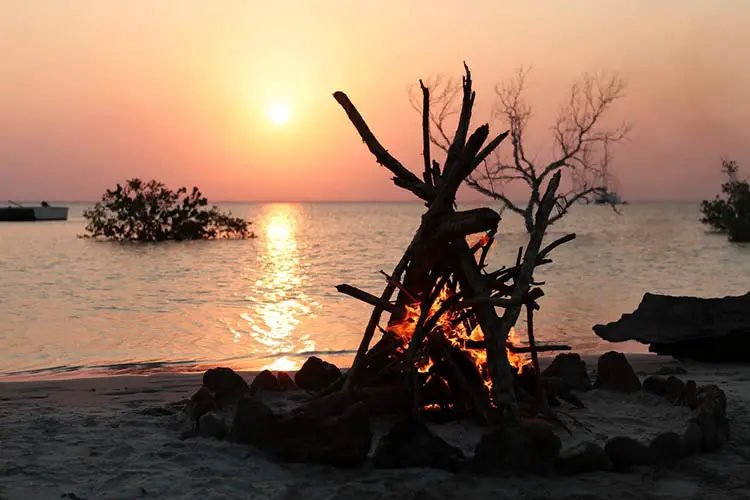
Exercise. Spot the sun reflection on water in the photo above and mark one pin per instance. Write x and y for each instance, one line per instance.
(278, 301)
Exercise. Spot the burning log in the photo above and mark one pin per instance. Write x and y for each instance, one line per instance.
(444, 339)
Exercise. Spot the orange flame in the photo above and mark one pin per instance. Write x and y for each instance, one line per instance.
(456, 333)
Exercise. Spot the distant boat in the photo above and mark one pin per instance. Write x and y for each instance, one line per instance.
(609, 198)
(16, 212)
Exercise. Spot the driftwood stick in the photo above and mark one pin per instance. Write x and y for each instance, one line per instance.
(414, 344)
(532, 342)
(488, 149)
(493, 301)
(539, 348)
(373, 323)
(503, 384)
(460, 168)
(560, 241)
(427, 176)
(368, 298)
(435, 173)
(486, 248)
(397, 284)
(504, 275)
(526, 270)
(462, 128)
(382, 156)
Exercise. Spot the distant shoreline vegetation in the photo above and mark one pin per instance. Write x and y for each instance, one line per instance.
(150, 212)
(730, 214)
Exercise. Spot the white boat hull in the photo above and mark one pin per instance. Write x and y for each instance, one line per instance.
(51, 213)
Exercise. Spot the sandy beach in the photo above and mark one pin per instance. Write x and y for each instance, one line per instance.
(113, 438)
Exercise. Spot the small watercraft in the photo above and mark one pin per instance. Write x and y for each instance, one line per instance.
(15, 212)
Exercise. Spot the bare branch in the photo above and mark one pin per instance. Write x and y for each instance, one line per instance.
(426, 134)
(404, 177)
(581, 144)
(498, 196)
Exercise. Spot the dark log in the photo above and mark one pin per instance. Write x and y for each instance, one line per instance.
(704, 329)
(467, 222)
(368, 298)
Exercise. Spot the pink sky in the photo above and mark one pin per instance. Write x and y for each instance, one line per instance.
(95, 91)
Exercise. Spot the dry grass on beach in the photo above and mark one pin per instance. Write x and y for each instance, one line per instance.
(108, 438)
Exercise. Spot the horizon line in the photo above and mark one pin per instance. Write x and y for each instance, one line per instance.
(410, 202)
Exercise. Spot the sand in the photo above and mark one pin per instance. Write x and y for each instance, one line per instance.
(98, 438)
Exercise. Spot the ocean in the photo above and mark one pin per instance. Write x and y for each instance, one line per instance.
(73, 307)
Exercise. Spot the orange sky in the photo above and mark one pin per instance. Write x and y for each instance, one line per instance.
(94, 91)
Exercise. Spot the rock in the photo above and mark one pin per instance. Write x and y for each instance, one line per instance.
(675, 391)
(691, 394)
(316, 374)
(712, 407)
(714, 426)
(227, 385)
(378, 401)
(532, 448)
(667, 447)
(254, 423)
(211, 425)
(265, 381)
(571, 369)
(692, 439)
(671, 370)
(714, 329)
(342, 442)
(712, 392)
(655, 385)
(410, 443)
(625, 452)
(286, 382)
(201, 402)
(582, 458)
(615, 373)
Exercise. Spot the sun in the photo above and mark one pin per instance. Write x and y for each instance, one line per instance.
(279, 113)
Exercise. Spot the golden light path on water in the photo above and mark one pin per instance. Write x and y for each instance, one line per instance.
(278, 298)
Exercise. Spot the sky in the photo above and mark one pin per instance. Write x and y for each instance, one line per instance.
(96, 91)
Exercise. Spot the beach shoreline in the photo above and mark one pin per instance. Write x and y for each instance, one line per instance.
(97, 437)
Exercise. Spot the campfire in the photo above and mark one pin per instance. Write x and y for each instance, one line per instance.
(450, 343)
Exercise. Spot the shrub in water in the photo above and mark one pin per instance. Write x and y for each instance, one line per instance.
(149, 211)
(730, 213)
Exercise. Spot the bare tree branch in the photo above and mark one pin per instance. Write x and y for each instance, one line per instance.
(581, 144)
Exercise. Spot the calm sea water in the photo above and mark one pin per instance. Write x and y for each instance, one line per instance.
(70, 306)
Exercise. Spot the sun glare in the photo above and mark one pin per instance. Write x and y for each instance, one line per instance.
(279, 113)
